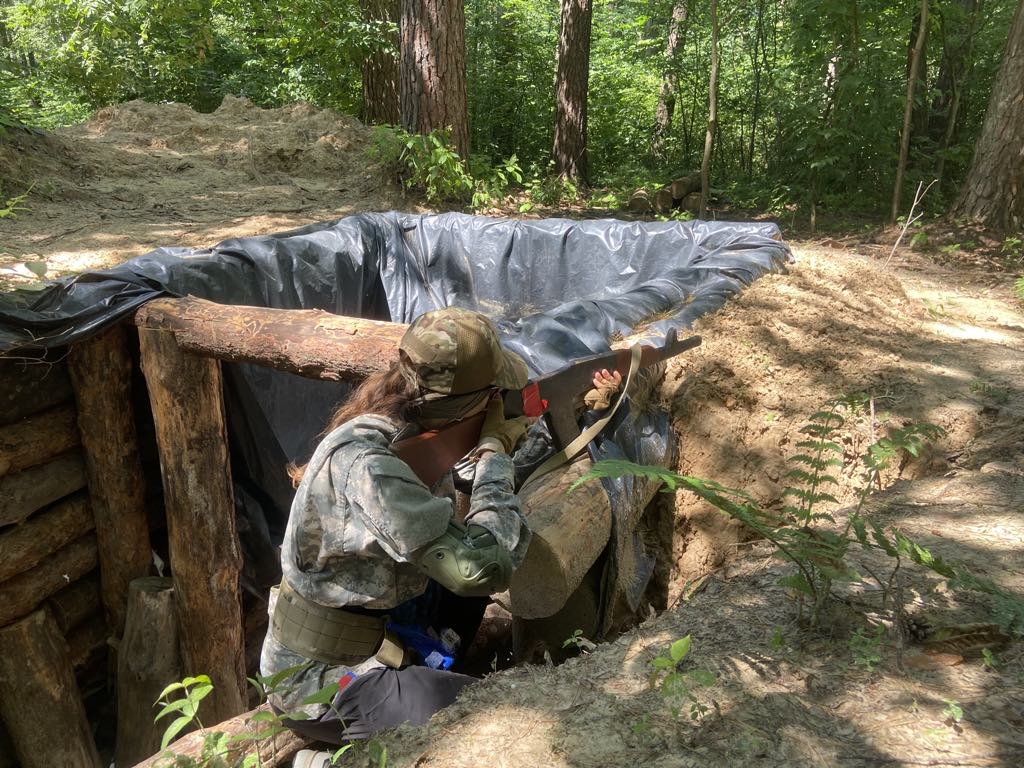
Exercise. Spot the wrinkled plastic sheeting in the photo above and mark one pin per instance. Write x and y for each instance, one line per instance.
(557, 289)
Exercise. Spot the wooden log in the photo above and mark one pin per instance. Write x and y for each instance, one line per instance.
(276, 751)
(28, 386)
(101, 372)
(37, 439)
(640, 202)
(663, 201)
(683, 186)
(39, 699)
(568, 535)
(87, 638)
(75, 603)
(691, 202)
(28, 491)
(25, 545)
(205, 557)
(147, 660)
(23, 593)
(310, 343)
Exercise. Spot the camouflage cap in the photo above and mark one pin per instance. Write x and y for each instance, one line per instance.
(455, 351)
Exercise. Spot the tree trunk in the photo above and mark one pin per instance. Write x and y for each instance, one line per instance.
(571, 83)
(993, 193)
(705, 166)
(380, 68)
(205, 560)
(432, 63)
(101, 373)
(147, 661)
(39, 699)
(311, 343)
(669, 79)
(908, 111)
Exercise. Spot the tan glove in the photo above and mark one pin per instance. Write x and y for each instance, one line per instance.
(500, 434)
(606, 385)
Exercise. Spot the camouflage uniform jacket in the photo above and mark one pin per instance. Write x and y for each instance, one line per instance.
(357, 517)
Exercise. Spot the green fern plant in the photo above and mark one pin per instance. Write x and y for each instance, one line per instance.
(820, 555)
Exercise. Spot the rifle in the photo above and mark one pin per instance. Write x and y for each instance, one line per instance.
(432, 454)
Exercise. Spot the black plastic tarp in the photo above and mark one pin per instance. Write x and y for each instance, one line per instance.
(557, 289)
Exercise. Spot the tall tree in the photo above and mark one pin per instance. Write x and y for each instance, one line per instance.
(908, 113)
(571, 82)
(380, 67)
(669, 79)
(709, 137)
(432, 64)
(993, 193)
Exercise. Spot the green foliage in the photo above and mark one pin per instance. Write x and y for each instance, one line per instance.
(430, 165)
(9, 208)
(676, 684)
(1018, 288)
(866, 646)
(819, 554)
(219, 750)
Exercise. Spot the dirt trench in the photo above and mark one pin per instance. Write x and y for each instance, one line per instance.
(925, 342)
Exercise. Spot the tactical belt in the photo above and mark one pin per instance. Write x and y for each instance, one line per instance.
(333, 635)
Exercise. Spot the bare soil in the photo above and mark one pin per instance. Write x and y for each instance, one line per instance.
(930, 340)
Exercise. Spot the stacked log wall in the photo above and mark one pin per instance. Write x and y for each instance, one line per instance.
(49, 558)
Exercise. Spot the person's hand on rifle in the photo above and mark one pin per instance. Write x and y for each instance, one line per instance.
(606, 385)
(500, 435)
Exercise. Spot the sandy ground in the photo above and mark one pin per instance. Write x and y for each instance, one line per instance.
(926, 342)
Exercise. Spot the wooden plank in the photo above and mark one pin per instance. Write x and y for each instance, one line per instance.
(101, 373)
(28, 491)
(205, 557)
(310, 343)
(22, 594)
(37, 439)
(39, 698)
(147, 661)
(25, 545)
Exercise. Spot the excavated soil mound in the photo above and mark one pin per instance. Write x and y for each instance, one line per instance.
(141, 175)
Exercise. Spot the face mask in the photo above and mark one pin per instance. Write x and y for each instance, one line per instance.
(437, 411)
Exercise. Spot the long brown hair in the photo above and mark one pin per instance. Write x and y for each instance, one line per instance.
(387, 393)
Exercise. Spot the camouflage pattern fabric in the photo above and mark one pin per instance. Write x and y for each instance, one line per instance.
(454, 351)
(358, 516)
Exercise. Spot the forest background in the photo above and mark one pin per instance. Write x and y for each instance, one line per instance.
(811, 95)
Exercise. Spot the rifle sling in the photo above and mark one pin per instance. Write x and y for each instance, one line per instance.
(570, 451)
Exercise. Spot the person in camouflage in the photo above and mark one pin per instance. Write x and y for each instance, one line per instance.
(380, 582)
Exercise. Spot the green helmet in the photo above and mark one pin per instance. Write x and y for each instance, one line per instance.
(455, 351)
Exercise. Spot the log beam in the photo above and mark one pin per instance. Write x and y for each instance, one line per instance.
(101, 371)
(39, 699)
(29, 386)
(25, 545)
(567, 538)
(275, 751)
(147, 661)
(37, 439)
(20, 595)
(311, 343)
(28, 491)
(75, 603)
(205, 556)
